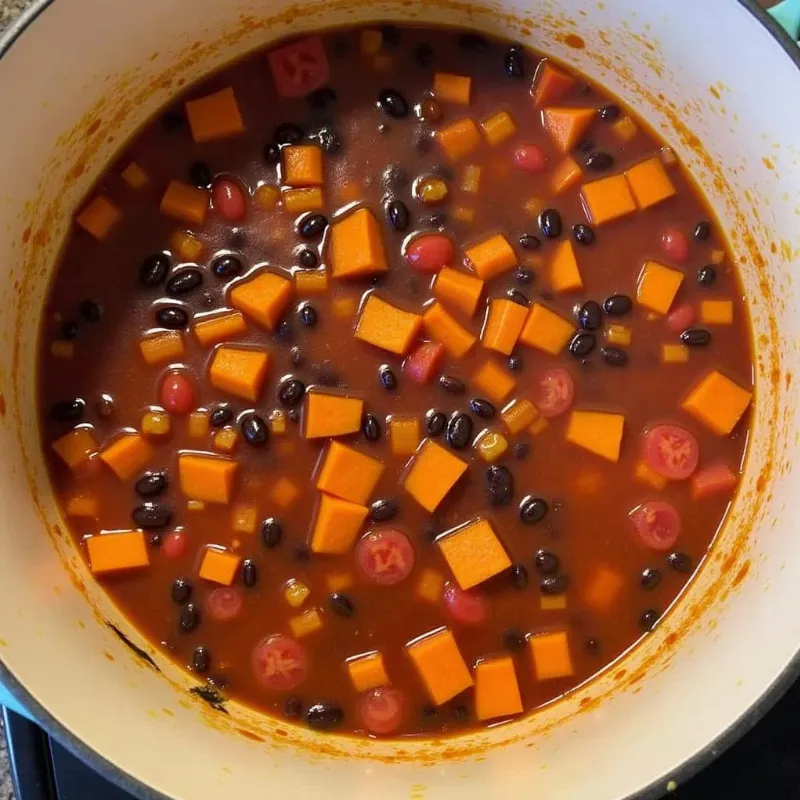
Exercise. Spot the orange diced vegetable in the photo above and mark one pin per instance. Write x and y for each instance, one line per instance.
(674, 353)
(311, 281)
(552, 602)
(329, 414)
(717, 256)
(348, 192)
(458, 289)
(267, 197)
(185, 203)
(117, 550)
(99, 216)
(598, 432)
(339, 581)
(367, 671)
(713, 479)
(127, 455)
(239, 371)
(493, 382)
(433, 473)
(645, 475)
(219, 566)
(207, 478)
(624, 129)
(307, 622)
(62, 349)
(386, 326)
(404, 434)
(277, 421)
(76, 446)
(441, 327)
(264, 298)
(491, 446)
(244, 518)
(504, 321)
(649, 182)
(440, 665)
(215, 116)
(657, 286)
(716, 312)
(496, 689)
(540, 426)
(83, 505)
(344, 307)
(219, 328)
(199, 424)
(566, 175)
(459, 139)
(564, 273)
(298, 201)
(491, 257)
(296, 593)
(155, 423)
(603, 589)
(474, 553)
(471, 179)
(551, 657)
(135, 176)
(226, 439)
(284, 492)
(348, 474)
(550, 84)
(452, 88)
(718, 402)
(357, 246)
(566, 126)
(545, 330)
(186, 246)
(607, 199)
(498, 127)
(302, 165)
(370, 42)
(519, 415)
(162, 347)
(618, 335)
(463, 214)
(429, 586)
(336, 525)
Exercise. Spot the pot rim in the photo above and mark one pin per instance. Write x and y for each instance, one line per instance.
(657, 788)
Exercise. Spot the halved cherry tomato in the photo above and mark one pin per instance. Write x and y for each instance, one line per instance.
(554, 392)
(280, 663)
(468, 608)
(681, 317)
(657, 523)
(423, 363)
(224, 603)
(299, 68)
(382, 710)
(713, 479)
(530, 158)
(177, 393)
(430, 252)
(229, 200)
(175, 544)
(675, 245)
(671, 451)
(385, 556)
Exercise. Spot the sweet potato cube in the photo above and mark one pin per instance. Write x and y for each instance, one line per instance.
(306, 623)
(302, 165)
(519, 415)
(263, 298)
(311, 281)
(441, 327)
(219, 566)
(336, 525)
(215, 116)
(459, 139)
(284, 492)
(348, 474)
(404, 434)
(357, 246)
(565, 276)
(491, 257)
(603, 589)
(329, 414)
(162, 347)
(566, 175)
(76, 446)
(648, 477)
(551, 658)
(429, 586)
(117, 550)
(504, 321)
(367, 671)
(657, 286)
(298, 201)
(207, 478)
(454, 89)
(598, 432)
(219, 328)
(496, 689)
(185, 203)
(267, 197)
(244, 518)
(473, 552)
(99, 216)
(716, 312)
(86, 506)
(386, 326)
(566, 126)
(493, 381)
(550, 84)
(624, 129)
(135, 176)
(370, 42)
(127, 455)
(440, 665)
(545, 330)
(458, 289)
(649, 182)
(714, 479)
(239, 371)
(498, 127)
(606, 199)
(432, 474)
(717, 402)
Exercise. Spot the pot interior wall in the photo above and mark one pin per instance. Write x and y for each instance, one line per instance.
(80, 80)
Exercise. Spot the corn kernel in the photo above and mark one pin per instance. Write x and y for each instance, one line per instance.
(463, 214)
(625, 129)
(518, 415)
(717, 256)
(267, 197)
(245, 518)
(295, 593)
(339, 581)
(135, 176)
(305, 623)
(298, 201)
(155, 423)
(199, 424)
(491, 446)
(226, 439)
(552, 602)
(429, 586)
(186, 246)
(430, 191)
(277, 421)
(674, 353)
(345, 307)
(311, 281)
(370, 42)
(62, 349)
(498, 127)
(619, 335)
(645, 475)
(539, 426)
(471, 179)
(195, 505)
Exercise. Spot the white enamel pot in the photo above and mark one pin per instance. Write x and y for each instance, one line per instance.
(719, 81)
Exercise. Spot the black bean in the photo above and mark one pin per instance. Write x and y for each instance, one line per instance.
(583, 234)
(308, 315)
(527, 241)
(609, 113)
(324, 716)
(482, 408)
(590, 316)
(291, 392)
(293, 415)
(307, 258)
(272, 153)
(383, 510)
(554, 584)
(649, 619)
(614, 356)
(328, 139)
(513, 639)
(650, 578)
(200, 175)
(271, 532)
(592, 645)
(435, 422)
(423, 54)
(533, 509)
(184, 281)
(302, 553)
(173, 121)
(584, 145)
(451, 384)
(200, 660)
(284, 331)
(680, 562)
(696, 337)
(546, 562)
(293, 708)
(172, 317)
(342, 605)
(68, 410)
(90, 311)
(582, 344)
(525, 275)
(395, 177)
(599, 161)
(514, 62)
(151, 516)
(515, 363)
(249, 573)
(499, 486)
(181, 591)
(617, 305)
(518, 297)
(227, 266)
(288, 133)
(254, 429)
(151, 484)
(387, 378)
(391, 36)
(220, 416)
(702, 231)
(189, 618)
(296, 356)
(321, 98)
(519, 576)
(397, 214)
(459, 431)
(153, 271)
(521, 450)
(393, 103)
(461, 713)
(371, 428)
(473, 43)
(550, 223)
(69, 330)
(313, 226)
(707, 276)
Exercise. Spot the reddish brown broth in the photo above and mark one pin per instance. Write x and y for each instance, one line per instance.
(589, 497)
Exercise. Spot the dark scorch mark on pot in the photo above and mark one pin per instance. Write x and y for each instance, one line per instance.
(135, 649)
(210, 695)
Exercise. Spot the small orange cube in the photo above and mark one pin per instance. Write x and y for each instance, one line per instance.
(331, 414)
(717, 402)
(657, 286)
(473, 552)
(649, 182)
(545, 330)
(215, 116)
(112, 551)
(302, 165)
(433, 473)
(551, 657)
(349, 474)
(496, 689)
(440, 665)
(367, 671)
(493, 382)
(219, 566)
(239, 371)
(336, 525)
(598, 432)
(607, 199)
(386, 326)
